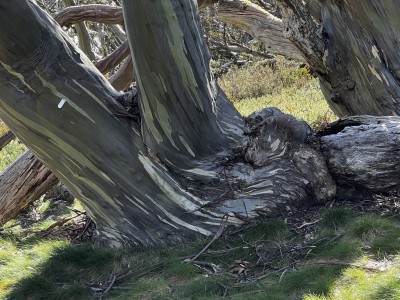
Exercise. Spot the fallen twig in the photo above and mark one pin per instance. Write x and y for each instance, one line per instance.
(202, 264)
(308, 224)
(346, 264)
(61, 222)
(108, 288)
(9, 227)
(216, 237)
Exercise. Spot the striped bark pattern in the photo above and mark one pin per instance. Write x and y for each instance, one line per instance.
(173, 164)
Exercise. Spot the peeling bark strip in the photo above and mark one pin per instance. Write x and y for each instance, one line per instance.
(95, 13)
(33, 183)
(6, 138)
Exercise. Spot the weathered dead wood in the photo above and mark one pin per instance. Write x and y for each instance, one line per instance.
(364, 152)
(6, 138)
(21, 183)
(261, 24)
(94, 12)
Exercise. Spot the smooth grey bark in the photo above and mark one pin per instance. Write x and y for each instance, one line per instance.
(122, 79)
(66, 112)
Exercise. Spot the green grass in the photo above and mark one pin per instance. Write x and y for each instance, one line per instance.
(305, 103)
(345, 242)
(3, 128)
(285, 86)
(10, 152)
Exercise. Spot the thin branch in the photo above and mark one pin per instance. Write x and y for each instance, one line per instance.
(123, 78)
(94, 12)
(109, 287)
(6, 138)
(108, 63)
(216, 237)
(239, 49)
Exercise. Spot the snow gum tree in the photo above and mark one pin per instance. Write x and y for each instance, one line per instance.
(172, 160)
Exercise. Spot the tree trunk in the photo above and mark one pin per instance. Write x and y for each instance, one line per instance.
(32, 183)
(353, 47)
(194, 160)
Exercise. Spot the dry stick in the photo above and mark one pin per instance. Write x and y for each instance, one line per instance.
(212, 266)
(341, 263)
(216, 237)
(6, 138)
(152, 269)
(109, 287)
(239, 49)
(59, 223)
(9, 227)
(308, 224)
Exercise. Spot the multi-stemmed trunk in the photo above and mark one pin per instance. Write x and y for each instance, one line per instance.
(172, 163)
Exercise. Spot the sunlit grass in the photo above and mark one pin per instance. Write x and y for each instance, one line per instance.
(20, 261)
(10, 152)
(305, 103)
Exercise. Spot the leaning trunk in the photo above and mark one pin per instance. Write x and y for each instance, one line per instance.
(353, 47)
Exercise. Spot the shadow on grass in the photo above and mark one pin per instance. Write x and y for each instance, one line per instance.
(268, 249)
(64, 274)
